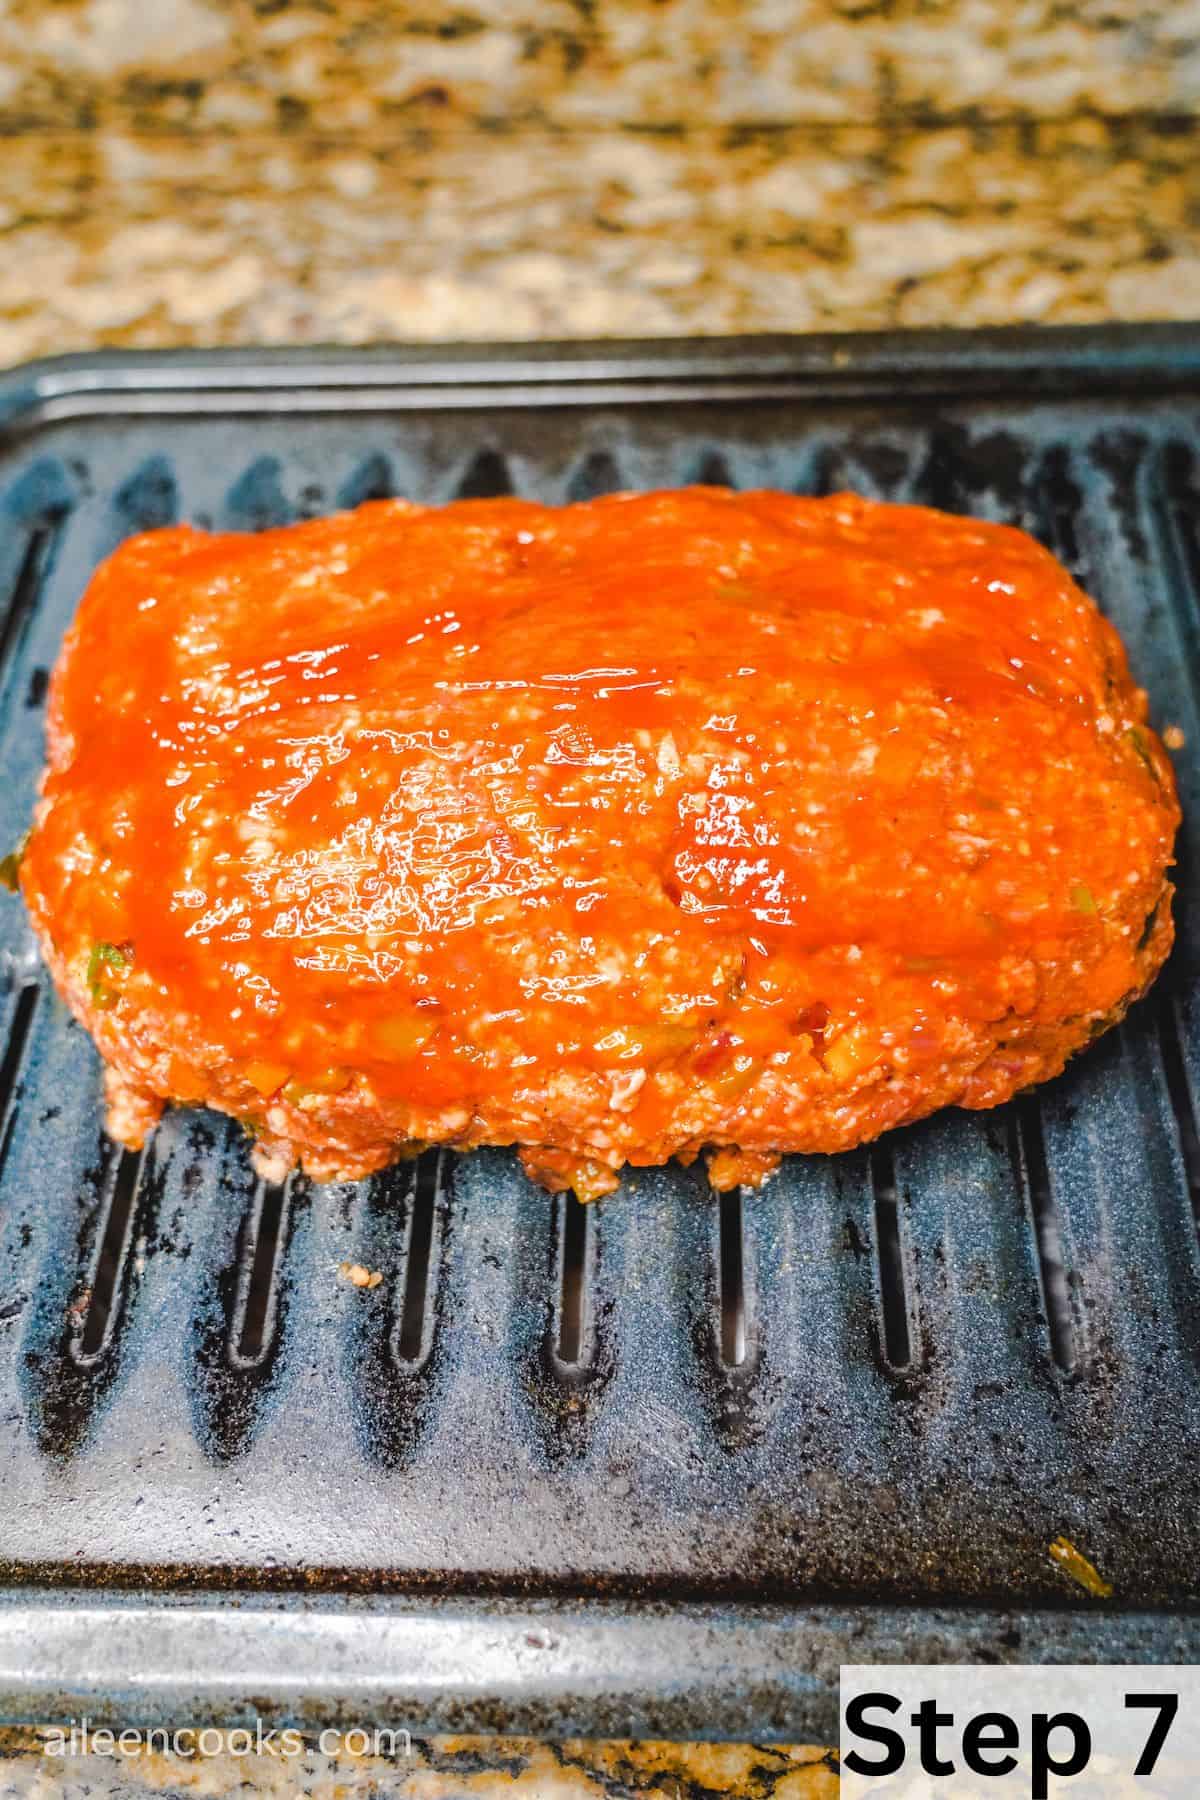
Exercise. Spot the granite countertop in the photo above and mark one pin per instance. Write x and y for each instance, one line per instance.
(117, 239)
(223, 171)
(292, 171)
(438, 1769)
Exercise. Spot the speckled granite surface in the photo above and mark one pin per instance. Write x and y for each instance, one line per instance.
(438, 1769)
(352, 66)
(274, 171)
(258, 170)
(171, 240)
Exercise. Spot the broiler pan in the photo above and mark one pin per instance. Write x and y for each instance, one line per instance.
(656, 1468)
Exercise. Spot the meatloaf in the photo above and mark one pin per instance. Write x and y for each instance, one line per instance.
(668, 824)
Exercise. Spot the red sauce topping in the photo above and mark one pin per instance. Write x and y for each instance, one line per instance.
(428, 792)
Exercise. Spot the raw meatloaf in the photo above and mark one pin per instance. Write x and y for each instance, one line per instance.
(682, 822)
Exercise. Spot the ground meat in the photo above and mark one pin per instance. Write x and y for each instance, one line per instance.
(663, 824)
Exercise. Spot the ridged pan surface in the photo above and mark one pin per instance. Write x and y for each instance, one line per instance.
(890, 1379)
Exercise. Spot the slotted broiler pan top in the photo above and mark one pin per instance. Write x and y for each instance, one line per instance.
(659, 1467)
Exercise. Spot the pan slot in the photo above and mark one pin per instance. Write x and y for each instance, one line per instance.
(1059, 503)
(877, 468)
(256, 500)
(726, 1334)
(1182, 1104)
(392, 1345)
(1177, 509)
(895, 1305)
(969, 468)
(99, 1308)
(732, 1280)
(10, 1066)
(30, 575)
(71, 1361)
(573, 1228)
(823, 475)
(256, 1307)
(573, 1361)
(1183, 503)
(371, 480)
(149, 498)
(597, 474)
(487, 477)
(414, 1333)
(1028, 1150)
(712, 470)
(940, 480)
(240, 1322)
